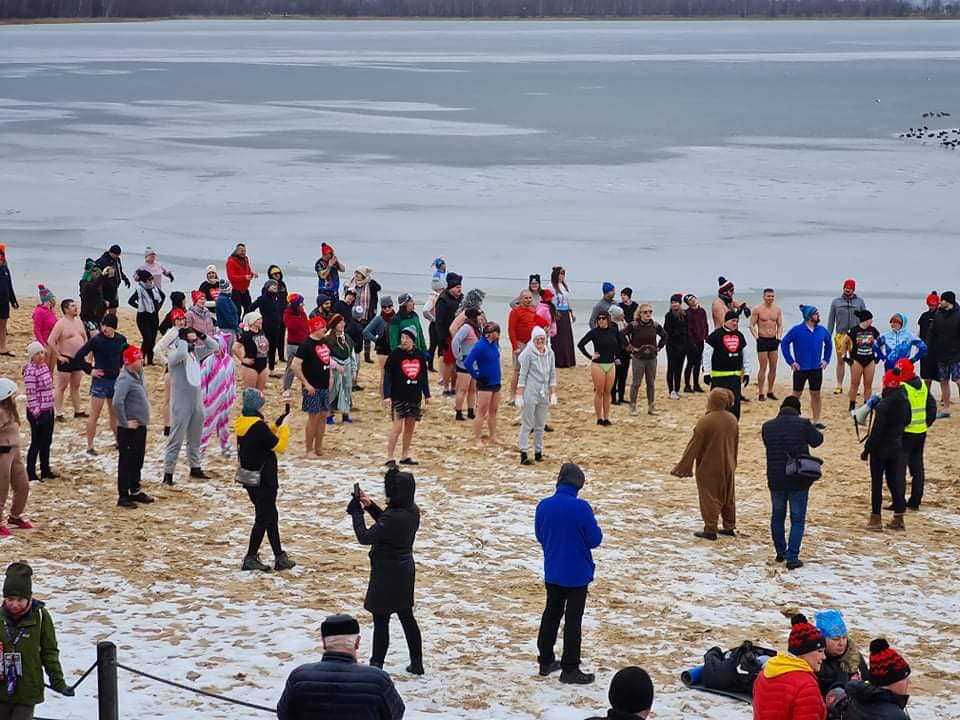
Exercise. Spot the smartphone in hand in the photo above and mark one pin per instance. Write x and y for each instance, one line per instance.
(356, 490)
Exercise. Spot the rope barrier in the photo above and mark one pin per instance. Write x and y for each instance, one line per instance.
(181, 686)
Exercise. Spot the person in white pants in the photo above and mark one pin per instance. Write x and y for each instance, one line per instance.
(536, 391)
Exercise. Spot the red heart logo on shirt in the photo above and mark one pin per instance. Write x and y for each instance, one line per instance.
(411, 368)
(323, 352)
(731, 343)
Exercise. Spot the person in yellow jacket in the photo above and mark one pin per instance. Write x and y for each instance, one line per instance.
(258, 443)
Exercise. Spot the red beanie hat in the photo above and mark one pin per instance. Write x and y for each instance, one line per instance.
(886, 664)
(933, 299)
(196, 295)
(891, 378)
(907, 370)
(804, 637)
(850, 283)
(177, 314)
(326, 249)
(316, 323)
(131, 355)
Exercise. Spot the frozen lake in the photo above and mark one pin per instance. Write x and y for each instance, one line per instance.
(654, 154)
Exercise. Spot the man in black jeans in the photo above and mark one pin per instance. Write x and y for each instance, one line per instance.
(133, 415)
(568, 531)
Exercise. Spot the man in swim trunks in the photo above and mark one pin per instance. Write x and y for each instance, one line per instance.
(841, 320)
(766, 325)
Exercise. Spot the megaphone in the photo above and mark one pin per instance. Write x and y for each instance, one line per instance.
(861, 414)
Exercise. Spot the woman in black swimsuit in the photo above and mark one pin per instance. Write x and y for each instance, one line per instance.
(864, 351)
(251, 349)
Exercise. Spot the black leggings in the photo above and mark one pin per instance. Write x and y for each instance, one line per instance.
(675, 355)
(434, 342)
(381, 637)
(41, 437)
(691, 373)
(276, 345)
(619, 389)
(913, 452)
(895, 471)
(266, 520)
(148, 324)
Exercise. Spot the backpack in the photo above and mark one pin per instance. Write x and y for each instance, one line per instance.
(734, 670)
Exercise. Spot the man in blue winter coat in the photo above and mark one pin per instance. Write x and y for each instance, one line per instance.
(807, 348)
(568, 531)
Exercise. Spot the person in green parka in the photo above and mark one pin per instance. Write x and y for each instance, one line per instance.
(29, 647)
(406, 317)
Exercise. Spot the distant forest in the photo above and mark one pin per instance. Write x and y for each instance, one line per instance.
(83, 9)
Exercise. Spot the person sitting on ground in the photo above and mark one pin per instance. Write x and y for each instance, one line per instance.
(843, 661)
(787, 688)
(28, 627)
(885, 695)
(338, 687)
(630, 695)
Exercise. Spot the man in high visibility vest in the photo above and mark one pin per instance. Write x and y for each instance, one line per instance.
(923, 413)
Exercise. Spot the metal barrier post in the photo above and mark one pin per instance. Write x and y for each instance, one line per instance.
(107, 693)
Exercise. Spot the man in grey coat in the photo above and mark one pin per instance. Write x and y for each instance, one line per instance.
(843, 317)
(603, 305)
(184, 359)
(132, 406)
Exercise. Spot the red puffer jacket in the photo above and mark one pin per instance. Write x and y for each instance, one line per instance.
(787, 689)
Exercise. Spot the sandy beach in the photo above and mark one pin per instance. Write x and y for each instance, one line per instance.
(164, 583)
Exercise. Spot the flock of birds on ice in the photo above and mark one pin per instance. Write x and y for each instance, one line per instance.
(948, 138)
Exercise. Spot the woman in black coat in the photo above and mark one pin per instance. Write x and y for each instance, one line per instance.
(392, 569)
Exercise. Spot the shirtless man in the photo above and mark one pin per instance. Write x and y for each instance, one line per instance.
(766, 324)
(68, 336)
(725, 302)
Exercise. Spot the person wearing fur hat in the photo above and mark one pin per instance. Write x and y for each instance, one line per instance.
(567, 530)
(842, 660)
(44, 320)
(536, 391)
(251, 349)
(713, 450)
(405, 387)
(13, 476)
(328, 268)
(147, 299)
(928, 364)
(184, 359)
(239, 274)
(697, 331)
(112, 269)
(806, 348)
(675, 328)
(726, 362)
(368, 297)
(766, 325)
(258, 443)
(311, 366)
(8, 299)
(603, 304)
(945, 346)
(133, 417)
(38, 386)
(392, 568)
(630, 695)
(841, 319)
(726, 303)
(27, 630)
(68, 335)
(885, 694)
(864, 352)
(884, 451)
(157, 271)
(923, 414)
(787, 687)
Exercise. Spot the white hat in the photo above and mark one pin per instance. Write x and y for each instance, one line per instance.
(252, 317)
(149, 251)
(211, 269)
(33, 348)
(8, 388)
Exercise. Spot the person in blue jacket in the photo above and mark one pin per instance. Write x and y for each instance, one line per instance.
(228, 320)
(898, 343)
(568, 531)
(483, 364)
(807, 348)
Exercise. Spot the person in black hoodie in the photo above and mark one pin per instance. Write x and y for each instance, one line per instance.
(8, 299)
(928, 364)
(445, 311)
(406, 385)
(945, 346)
(884, 450)
(111, 259)
(271, 304)
(630, 695)
(275, 273)
(885, 695)
(675, 327)
(92, 304)
(257, 446)
(392, 568)
(627, 304)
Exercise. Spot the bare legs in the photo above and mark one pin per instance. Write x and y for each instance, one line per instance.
(313, 434)
(487, 405)
(602, 386)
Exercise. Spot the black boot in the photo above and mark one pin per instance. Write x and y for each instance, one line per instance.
(199, 474)
(576, 677)
(125, 501)
(549, 668)
(282, 562)
(252, 562)
(524, 460)
(168, 478)
(48, 474)
(166, 431)
(538, 456)
(415, 667)
(366, 355)
(471, 414)
(460, 416)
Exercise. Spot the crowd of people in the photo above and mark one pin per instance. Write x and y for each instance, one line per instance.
(228, 343)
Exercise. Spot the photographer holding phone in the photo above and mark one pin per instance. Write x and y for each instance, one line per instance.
(258, 443)
(392, 568)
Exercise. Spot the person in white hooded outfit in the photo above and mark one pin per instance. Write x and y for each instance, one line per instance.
(536, 391)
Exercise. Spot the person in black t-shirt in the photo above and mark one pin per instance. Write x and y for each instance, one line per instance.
(311, 365)
(726, 363)
(405, 386)
(864, 351)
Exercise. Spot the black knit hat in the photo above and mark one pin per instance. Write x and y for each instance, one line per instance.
(730, 315)
(339, 625)
(627, 291)
(18, 581)
(724, 284)
(949, 296)
(631, 690)
(887, 666)
(453, 280)
(804, 637)
(115, 249)
(676, 298)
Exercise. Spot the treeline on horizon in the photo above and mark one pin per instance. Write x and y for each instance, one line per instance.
(94, 9)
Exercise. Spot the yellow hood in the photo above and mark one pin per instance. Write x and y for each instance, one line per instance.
(783, 664)
(243, 424)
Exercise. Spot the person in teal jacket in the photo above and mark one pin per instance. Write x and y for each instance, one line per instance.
(406, 317)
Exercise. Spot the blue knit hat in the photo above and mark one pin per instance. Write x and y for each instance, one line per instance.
(252, 401)
(607, 287)
(808, 311)
(830, 623)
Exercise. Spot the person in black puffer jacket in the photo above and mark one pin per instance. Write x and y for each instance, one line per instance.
(271, 304)
(788, 435)
(886, 694)
(884, 450)
(392, 568)
(337, 687)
